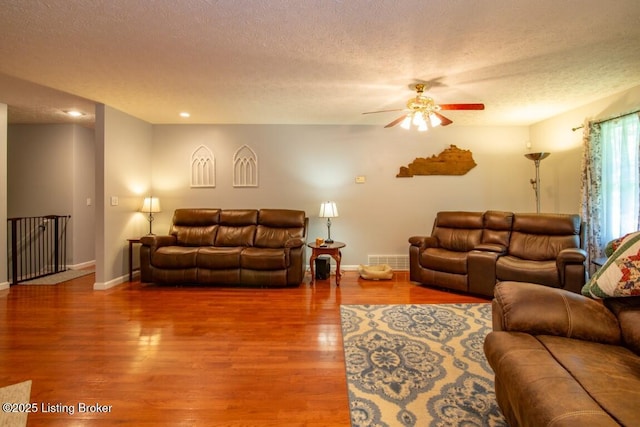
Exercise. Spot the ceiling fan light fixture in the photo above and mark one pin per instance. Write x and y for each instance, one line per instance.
(435, 120)
(423, 112)
(422, 119)
(417, 119)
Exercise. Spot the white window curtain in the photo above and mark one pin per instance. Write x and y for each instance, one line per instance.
(610, 181)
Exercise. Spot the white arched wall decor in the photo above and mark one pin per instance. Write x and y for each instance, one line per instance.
(203, 168)
(245, 167)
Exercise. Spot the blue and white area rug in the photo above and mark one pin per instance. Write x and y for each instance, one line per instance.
(419, 365)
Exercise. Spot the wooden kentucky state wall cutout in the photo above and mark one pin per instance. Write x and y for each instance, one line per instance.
(452, 161)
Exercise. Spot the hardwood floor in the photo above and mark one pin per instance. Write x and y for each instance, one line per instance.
(187, 356)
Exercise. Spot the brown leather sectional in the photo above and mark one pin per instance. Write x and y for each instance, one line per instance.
(561, 359)
(264, 247)
(472, 251)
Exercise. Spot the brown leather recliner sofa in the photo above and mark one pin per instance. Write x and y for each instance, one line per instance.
(561, 359)
(472, 251)
(264, 247)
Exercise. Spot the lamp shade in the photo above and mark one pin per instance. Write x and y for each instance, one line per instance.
(150, 205)
(328, 210)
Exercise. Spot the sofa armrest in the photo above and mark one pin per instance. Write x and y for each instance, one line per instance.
(294, 242)
(571, 256)
(481, 271)
(572, 269)
(155, 242)
(543, 310)
(423, 242)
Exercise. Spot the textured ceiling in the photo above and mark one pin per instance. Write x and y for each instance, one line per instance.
(313, 62)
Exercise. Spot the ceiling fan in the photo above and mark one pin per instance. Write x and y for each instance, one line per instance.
(423, 112)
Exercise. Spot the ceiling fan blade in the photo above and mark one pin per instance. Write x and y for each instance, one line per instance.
(462, 106)
(396, 121)
(383, 111)
(445, 121)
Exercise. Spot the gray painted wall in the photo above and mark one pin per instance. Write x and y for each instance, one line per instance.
(301, 166)
(51, 170)
(123, 170)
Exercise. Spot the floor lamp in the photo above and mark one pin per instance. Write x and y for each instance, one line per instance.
(535, 183)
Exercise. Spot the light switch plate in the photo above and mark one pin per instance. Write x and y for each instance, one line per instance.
(114, 201)
(361, 179)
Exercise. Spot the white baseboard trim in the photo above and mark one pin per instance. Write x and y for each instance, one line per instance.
(82, 265)
(342, 267)
(103, 286)
(346, 267)
(4, 285)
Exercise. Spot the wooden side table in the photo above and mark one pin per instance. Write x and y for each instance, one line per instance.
(331, 249)
(131, 243)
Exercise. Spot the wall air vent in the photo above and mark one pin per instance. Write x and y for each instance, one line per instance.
(396, 262)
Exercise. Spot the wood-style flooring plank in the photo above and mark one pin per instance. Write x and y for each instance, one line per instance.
(186, 356)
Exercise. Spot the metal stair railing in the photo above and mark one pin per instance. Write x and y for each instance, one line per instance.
(37, 246)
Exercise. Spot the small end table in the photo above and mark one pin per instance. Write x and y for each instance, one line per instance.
(331, 249)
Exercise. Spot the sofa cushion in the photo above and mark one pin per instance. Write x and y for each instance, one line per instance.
(175, 257)
(608, 373)
(522, 270)
(458, 231)
(539, 247)
(281, 218)
(497, 228)
(533, 389)
(235, 236)
(238, 217)
(196, 217)
(277, 226)
(269, 237)
(237, 227)
(551, 224)
(195, 227)
(195, 236)
(212, 257)
(620, 275)
(541, 237)
(444, 260)
(264, 259)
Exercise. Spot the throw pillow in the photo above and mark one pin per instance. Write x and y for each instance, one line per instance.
(620, 275)
(613, 245)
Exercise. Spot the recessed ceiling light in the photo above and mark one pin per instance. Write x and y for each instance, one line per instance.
(74, 113)
(185, 114)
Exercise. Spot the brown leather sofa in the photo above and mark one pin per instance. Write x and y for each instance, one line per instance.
(472, 251)
(561, 359)
(252, 247)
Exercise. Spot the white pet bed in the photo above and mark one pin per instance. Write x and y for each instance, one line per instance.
(375, 272)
